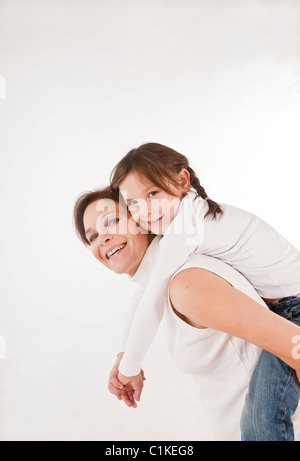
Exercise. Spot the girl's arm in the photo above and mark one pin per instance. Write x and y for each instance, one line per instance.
(173, 252)
(128, 395)
(181, 239)
(114, 385)
(131, 310)
(209, 301)
(150, 310)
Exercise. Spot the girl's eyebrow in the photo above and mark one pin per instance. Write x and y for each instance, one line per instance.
(145, 191)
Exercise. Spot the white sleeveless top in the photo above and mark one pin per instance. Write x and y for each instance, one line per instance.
(219, 363)
(239, 238)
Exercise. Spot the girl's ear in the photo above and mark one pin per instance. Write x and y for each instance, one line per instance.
(184, 179)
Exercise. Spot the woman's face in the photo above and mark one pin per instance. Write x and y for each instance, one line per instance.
(114, 238)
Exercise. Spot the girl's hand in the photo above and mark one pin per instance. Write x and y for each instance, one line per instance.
(133, 384)
(125, 393)
(114, 385)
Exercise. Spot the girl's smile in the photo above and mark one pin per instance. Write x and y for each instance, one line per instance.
(150, 206)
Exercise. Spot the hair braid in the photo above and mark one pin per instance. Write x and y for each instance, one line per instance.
(214, 207)
(159, 164)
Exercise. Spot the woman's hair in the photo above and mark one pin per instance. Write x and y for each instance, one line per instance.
(161, 165)
(81, 204)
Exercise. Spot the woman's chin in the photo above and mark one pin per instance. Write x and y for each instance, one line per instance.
(118, 267)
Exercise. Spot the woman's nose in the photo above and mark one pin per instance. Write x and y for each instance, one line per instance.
(104, 238)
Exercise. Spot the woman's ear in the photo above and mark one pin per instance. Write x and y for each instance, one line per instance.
(184, 179)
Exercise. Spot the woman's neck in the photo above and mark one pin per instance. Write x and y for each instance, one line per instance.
(141, 275)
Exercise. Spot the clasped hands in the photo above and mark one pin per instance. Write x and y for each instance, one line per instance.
(125, 388)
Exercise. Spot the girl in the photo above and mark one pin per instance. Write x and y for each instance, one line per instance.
(165, 197)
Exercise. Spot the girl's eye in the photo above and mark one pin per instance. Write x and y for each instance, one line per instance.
(151, 194)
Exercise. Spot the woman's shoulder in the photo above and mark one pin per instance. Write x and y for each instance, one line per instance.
(192, 279)
(205, 274)
(201, 264)
(191, 292)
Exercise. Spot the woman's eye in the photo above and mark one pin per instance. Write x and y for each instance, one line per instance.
(132, 203)
(93, 237)
(113, 222)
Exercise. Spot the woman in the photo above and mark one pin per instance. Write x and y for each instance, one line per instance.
(216, 323)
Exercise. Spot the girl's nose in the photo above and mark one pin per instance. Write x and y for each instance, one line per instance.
(145, 210)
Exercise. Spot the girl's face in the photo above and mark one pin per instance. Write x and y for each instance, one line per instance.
(151, 207)
(114, 239)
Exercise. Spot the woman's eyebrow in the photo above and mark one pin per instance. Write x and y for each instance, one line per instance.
(100, 217)
(129, 200)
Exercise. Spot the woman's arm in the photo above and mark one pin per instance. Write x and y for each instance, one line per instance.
(207, 300)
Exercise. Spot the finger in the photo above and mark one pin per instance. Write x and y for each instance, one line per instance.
(130, 397)
(115, 382)
(137, 393)
(143, 375)
(132, 400)
(114, 390)
(127, 399)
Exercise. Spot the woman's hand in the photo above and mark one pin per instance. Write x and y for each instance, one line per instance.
(121, 391)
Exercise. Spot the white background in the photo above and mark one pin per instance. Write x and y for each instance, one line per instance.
(86, 81)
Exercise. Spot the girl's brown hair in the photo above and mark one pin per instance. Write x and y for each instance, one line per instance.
(161, 165)
(81, 204)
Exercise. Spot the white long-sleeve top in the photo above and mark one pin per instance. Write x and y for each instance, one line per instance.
(239, 238)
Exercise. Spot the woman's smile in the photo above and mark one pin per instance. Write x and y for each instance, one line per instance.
(115, 251)
(113, 237)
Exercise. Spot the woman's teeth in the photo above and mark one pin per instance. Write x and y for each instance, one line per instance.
(114, 250)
